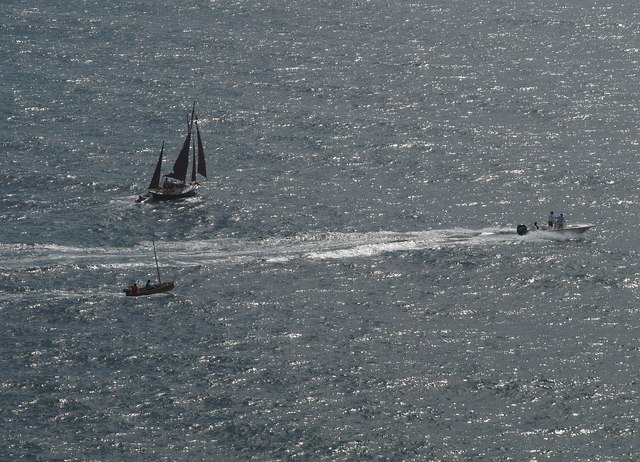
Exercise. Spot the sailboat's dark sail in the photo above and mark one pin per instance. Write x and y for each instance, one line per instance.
(202, 166)
(155, 181)
(182, 162)
(193, 168)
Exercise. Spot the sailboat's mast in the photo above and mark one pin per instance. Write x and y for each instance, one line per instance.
(156, 258)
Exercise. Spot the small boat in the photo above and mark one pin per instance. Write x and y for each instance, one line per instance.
(153, 289)
(150, 289)
(174, 185)
(566, 229)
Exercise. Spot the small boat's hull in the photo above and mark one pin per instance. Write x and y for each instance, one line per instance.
(574, 229)
(567, 229)
(166, 194)
(154, 289)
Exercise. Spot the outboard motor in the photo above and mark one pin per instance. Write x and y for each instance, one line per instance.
(522, 230)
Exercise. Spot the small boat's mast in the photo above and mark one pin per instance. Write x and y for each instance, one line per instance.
(156, 258)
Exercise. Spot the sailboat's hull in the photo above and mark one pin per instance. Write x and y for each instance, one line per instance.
(154, 289)
(179, 192)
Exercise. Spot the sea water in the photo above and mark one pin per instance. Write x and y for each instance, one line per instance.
(348, 281)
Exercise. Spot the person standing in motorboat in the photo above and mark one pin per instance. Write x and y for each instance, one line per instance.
(552, 220)
(560, 221)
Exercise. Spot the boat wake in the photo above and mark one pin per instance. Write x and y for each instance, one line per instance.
(312, 246)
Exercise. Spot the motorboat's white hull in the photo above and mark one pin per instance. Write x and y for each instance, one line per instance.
(571, 228)
(566, 229)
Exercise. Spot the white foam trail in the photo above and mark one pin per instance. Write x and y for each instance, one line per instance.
(314, 246)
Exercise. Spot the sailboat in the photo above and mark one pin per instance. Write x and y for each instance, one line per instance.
(174, 185)
(149, 289)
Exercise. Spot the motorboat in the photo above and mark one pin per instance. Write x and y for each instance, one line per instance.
(567, 228)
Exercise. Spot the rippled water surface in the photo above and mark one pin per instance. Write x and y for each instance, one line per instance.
(349, 282)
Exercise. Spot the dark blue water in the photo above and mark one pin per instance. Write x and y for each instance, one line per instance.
(349, 283)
